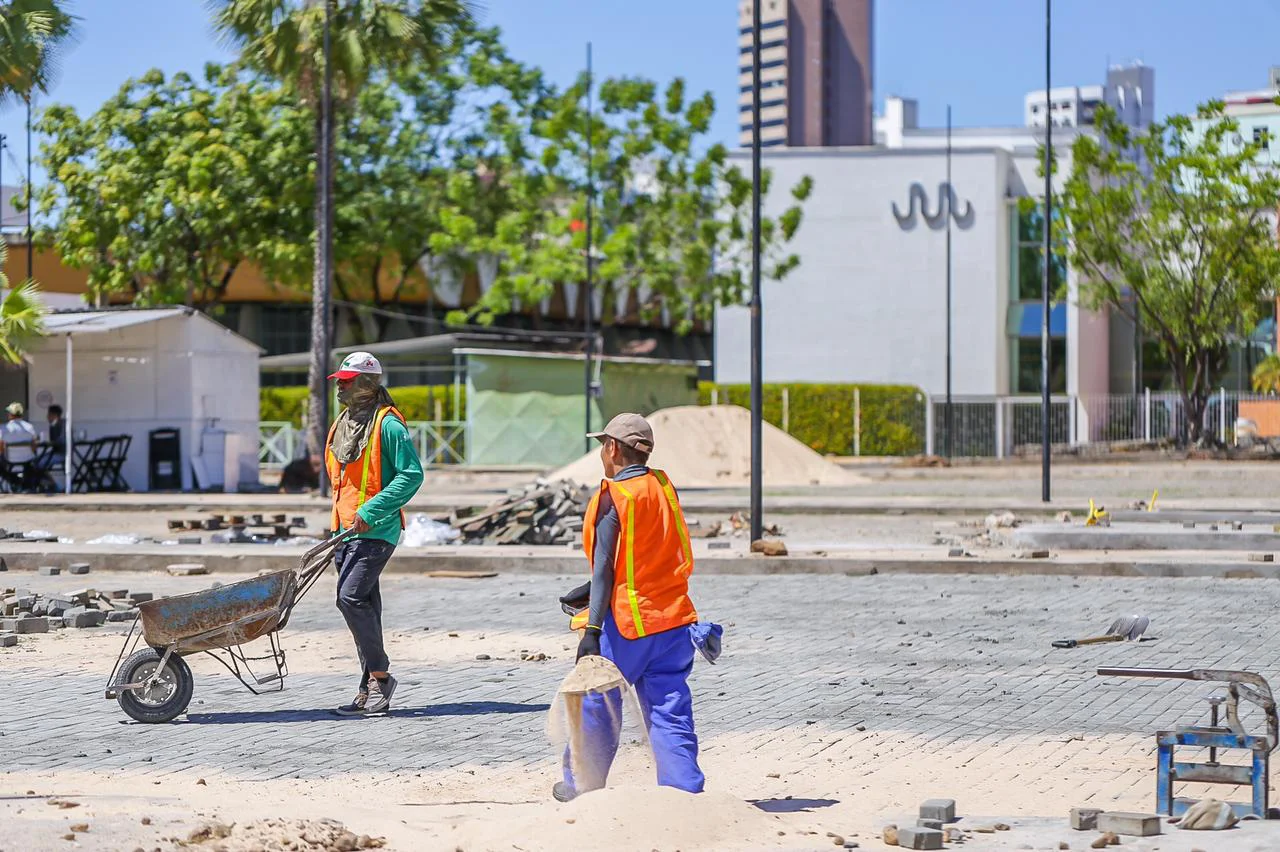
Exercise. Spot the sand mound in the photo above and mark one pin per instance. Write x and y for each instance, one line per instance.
(709, 446)
(634, 818)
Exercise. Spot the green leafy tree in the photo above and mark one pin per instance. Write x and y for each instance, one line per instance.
(421, 144)
(1266, 376)
(672, 218)
(284, 39)
(173, 184)
(1175, 220)
(21, 316)
(33, 34)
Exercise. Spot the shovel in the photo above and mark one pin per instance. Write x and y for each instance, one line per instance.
(1126, 628)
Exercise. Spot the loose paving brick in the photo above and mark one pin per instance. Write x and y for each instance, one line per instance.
(8, 640)
(29, 624)
(187, 569)
(914, 837)
(1134, 825)
(942, 810)
(78, 568)
(1085, 819)
(48, 570)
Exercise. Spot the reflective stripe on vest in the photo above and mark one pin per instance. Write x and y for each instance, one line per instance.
(629, 549)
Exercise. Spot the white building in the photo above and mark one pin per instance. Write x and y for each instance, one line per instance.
(1130, 90)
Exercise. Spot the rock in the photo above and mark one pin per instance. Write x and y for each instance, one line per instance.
(1001, 521)
(68, 837)
(1064, 517)
(1085, 819)
(8, 640)
(209, 831)
(769, 547)
(202, 783)
(146, 820)
(80, 827)
(1062, 844)
(483, 657)
(837, 840)
(78, 568)
(1001, 827)
(985, 829)
(185, 569)
(890, 835)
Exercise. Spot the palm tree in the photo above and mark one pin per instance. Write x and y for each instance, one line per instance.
(287, 40)
(21, 316)
(32, 36)
(1266, 376)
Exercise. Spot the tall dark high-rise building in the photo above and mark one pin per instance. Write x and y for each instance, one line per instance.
(816, 80)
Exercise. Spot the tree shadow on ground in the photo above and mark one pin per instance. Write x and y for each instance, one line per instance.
(793, 806)
(464, 708)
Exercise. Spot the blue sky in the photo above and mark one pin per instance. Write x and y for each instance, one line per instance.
(979, 55)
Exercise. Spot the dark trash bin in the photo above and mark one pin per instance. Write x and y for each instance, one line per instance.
(164, 468)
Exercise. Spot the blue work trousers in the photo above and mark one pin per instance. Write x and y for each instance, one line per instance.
(658, 667)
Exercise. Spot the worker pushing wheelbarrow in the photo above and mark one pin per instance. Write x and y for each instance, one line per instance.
(154, 683)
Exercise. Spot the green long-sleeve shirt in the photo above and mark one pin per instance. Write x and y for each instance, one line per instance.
(401, 479)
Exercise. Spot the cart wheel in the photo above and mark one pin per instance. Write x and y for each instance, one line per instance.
(164, 700)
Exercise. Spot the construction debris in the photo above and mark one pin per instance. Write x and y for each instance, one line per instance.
(240, 529)
(26, 612)
(769, 547)
(544, 512)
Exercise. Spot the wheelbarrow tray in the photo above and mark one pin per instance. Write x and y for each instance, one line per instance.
(234, 614)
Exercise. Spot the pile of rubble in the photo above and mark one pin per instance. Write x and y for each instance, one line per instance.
(240, 529)
(24, 611)
(550, 512)
(544, 512)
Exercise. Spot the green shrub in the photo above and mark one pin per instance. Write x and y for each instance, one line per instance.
(821, 416)
(416, 402)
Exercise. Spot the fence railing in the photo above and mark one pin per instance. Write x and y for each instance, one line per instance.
(439, 442)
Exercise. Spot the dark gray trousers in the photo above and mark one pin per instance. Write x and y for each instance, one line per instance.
(360, 562)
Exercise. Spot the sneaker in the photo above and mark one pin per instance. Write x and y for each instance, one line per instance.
(380, 692)
(356, 707)
(562, 792)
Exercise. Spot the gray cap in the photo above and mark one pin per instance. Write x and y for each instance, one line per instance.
(630, 429)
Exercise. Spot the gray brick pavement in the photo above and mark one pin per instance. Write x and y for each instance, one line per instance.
(960, 661)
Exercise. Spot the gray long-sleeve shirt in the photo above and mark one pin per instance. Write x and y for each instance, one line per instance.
(608, 526)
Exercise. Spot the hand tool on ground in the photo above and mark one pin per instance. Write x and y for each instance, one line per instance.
(1126, 628)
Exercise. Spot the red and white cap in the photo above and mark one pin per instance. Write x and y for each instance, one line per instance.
(358, 363)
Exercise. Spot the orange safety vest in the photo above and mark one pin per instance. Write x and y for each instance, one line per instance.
(653, 559)
(353, 484)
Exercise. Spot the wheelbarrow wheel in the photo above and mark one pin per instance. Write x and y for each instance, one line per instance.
(163, 700)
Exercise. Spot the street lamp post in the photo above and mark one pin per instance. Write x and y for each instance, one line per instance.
(590, 282)
(948, 200)
(757, 327)
(1048, 258)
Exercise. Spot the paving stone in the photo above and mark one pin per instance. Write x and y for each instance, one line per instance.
(943, 810)
(8, 640)
(187, 569)
(88, 618)
(78, 568)
(1134, 825)
(930, 823)
(122, 615)
(914, 837)
(29, 624)
(1262, 557)
(718, 545)
(118, 594)
(58, 606)
(4, 566)
(141, 597)
(1085, 819)
(48, 571)
(55, 622)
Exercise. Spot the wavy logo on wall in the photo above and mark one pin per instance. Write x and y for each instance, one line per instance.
(918, 202)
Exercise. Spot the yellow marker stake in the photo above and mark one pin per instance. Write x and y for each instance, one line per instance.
(1155, 495)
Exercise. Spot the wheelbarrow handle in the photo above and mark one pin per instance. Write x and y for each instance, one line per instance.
(311, 563)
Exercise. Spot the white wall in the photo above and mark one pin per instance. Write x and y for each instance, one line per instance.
(868, 300)
(150, 376)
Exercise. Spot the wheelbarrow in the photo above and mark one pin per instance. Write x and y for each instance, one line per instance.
(154, 683)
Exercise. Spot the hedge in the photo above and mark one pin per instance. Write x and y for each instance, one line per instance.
(416, 402)
(821, 416)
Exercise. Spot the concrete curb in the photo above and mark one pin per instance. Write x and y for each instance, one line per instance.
(251, 559)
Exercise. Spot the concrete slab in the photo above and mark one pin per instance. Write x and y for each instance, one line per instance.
(1133, 536)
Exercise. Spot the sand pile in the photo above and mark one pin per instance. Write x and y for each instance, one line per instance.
(640, 818)
(709, 446)
(325, 835)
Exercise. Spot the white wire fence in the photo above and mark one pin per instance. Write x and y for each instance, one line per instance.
(439, 442)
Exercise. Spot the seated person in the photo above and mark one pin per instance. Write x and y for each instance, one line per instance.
(18, 440)
(301, 474)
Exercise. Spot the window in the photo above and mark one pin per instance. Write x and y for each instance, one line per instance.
(1262, 137)
(777, 63)
(1028, 257)
(777, 122)
(746, 51)
(1026, 363)
(771, 25)
(763, 105)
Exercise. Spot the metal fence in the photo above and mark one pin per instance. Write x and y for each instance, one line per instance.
(1003, 426)
(439, 442)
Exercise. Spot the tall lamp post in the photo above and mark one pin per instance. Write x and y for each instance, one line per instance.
(1048, 258)
(589, 286)
(950, 197)
(325, 176)
(757, 327)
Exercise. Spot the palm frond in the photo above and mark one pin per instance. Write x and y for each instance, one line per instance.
(22, 316)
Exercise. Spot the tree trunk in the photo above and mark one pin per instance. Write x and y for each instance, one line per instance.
(318, 366)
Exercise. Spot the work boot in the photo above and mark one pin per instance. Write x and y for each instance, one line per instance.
(357, 705)
(380, 692)
(562, 792)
